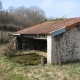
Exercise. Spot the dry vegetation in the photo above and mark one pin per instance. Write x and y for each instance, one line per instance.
(5, 37)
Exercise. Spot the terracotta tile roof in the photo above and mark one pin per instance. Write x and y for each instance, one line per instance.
(47, 27)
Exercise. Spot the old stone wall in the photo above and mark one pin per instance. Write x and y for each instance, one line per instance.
(66, 46)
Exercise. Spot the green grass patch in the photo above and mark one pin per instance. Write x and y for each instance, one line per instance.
(10, 70)
(28, 59)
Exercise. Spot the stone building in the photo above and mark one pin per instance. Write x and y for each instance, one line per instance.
(61, 39)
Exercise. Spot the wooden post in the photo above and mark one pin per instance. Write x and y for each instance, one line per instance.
(1, 36)
(59, 57)
(58, 48)
(42, 61)
(16, 43)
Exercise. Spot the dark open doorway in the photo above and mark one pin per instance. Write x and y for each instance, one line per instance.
(31, 44)
(40, 44)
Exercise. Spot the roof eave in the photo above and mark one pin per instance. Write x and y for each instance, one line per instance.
(58, 31)
(16, 34)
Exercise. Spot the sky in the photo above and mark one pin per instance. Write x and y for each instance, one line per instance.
(52, 8)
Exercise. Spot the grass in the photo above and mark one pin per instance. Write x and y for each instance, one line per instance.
(28, 59)
(10, 70)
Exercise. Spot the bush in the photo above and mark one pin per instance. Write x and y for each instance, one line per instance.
(5, 37)
(11, 27)
(10, 50)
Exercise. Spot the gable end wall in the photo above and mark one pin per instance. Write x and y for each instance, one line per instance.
(67, 45)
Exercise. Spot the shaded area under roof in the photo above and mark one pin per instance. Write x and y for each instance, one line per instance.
(47, 27)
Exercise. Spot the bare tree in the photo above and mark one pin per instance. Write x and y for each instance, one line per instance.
(21, 10)
(35, 15)
(0, 5)
(22, 16)
(11, 9)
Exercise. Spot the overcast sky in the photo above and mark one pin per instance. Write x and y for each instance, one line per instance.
(52, 8)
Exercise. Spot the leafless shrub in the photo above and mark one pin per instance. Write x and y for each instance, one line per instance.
(5, 37)
(10, 49)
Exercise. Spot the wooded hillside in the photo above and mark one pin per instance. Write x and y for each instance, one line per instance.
(20, 17)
